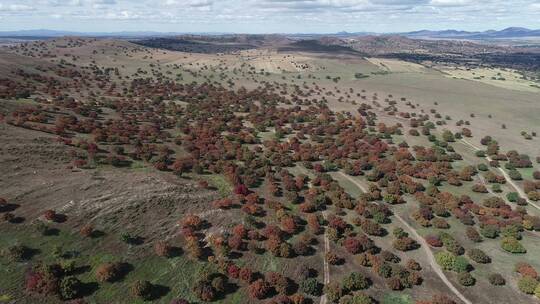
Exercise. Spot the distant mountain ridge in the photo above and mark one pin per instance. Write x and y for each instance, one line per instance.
(507, 33)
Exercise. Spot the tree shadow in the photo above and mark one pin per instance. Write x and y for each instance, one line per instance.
(175, 252)
(97, 234)
(80, 270)
(158, 291)
(51, 232)
(87, 289)
(9, 207)
(17, 220)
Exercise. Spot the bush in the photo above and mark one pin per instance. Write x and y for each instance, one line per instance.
(109, 272)
(473, 235)
(87, 231)
(70, 288)
(512, 245)
(496, 279)
(527, 285)
(454, 247)
(512, 197)
(434, 241)
(355, 281)
(466, 279)
(537, 291)
(461, 264)
(490, 231)
(141, 289)
(204, 291)
(352, 245)
(445, 260)
(278, 281)
(43, 279)
(405, 244)
(17, 253)
(333, 292)
(259, 289)
(162, 249)
(526, 270)
(514, 174)
(310, 286)
(479, 256)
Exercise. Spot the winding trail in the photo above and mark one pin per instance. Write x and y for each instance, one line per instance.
(506, 176)
(422, 241)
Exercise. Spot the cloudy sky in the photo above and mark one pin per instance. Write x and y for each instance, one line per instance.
(267, 16)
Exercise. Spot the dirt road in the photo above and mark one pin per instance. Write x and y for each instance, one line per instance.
(506, 176)
(425, 246)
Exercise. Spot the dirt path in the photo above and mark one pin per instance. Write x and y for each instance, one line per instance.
(432, 261)
(326, 266)
(506, 176)
(425, 246)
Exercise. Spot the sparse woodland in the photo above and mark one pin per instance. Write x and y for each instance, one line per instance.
(304, 191)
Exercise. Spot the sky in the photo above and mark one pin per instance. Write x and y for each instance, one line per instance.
(267, 16)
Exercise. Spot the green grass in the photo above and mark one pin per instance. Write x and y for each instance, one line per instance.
(220, 183)
(396, 298)
(175, 276)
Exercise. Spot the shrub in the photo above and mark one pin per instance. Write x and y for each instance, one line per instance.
(461, 264)
(259, 289)
(278, 281)
(512, 197)
(332, 258)
(537, 291)
(87, 231)
(352, 245)
(246, 275)
(333, 292)
(466, 279)
(527, 285)
(512, 245)
(385, 270)
(496, 279)
(141, 289)
(479, 188)
(445, 260)
(399, 233)
(355, 281)
(440, 223)
(473, 235)
(17, 253)
(394, 283)
(514, 174)
(490, 231)
(204, 291)
(310, 286)
(109, 272)
(405, 244)
(479, 256)
(454, 247)
(162, 249)
(390, 257)
(413, 265)
(43, 279)
(434, 241)
(70, 288)
(50, 215)
(526, 270)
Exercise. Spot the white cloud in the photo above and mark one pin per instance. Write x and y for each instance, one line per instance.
(15, 7)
